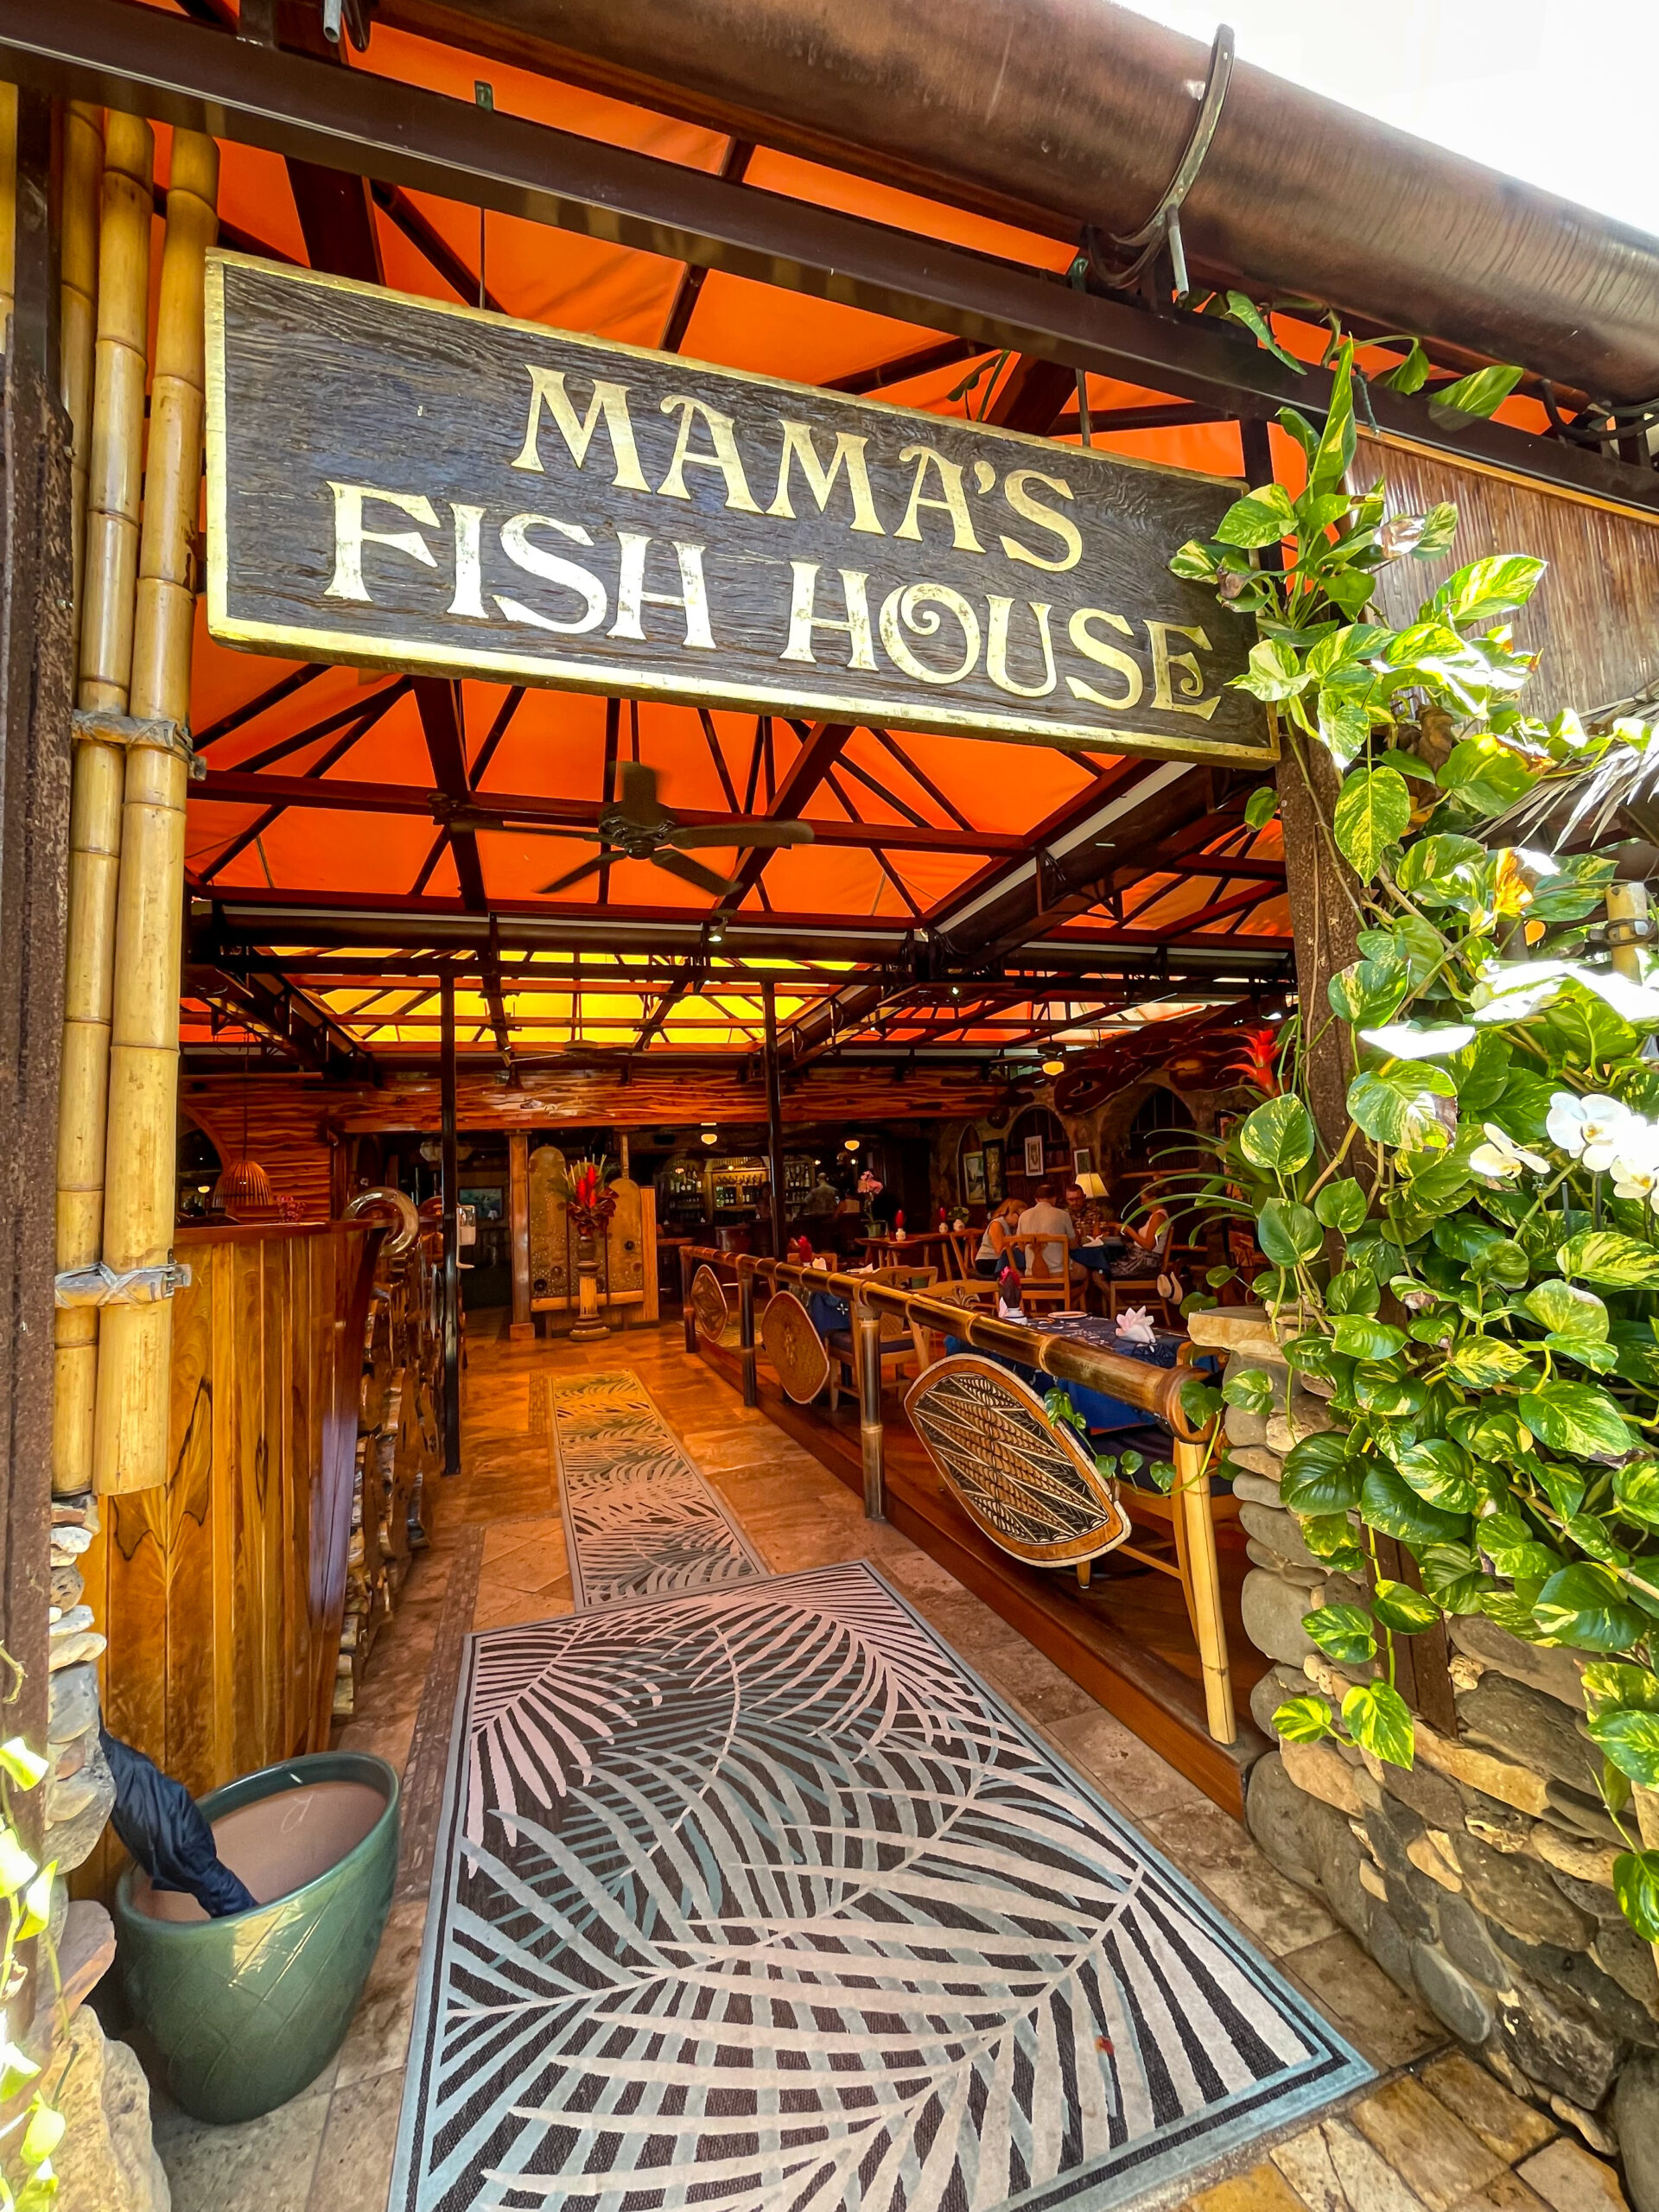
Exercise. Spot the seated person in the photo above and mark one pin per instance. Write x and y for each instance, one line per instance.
(1147, 1243)
(1094, 1251)
(999, 1235)
(1046, 1234)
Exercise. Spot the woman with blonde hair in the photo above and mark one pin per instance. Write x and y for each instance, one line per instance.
(999, 1236)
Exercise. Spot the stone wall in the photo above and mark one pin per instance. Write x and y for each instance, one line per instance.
(1481, 1879)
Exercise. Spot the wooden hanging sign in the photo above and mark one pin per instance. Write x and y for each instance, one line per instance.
(402, 483)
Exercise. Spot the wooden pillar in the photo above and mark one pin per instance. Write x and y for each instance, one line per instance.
(109, 581)
(1627, 926)
(450, 1173)
(746, 1334)
(774, 1119)
(37, 697)
(8, 202)
(523, 1324)
(140, 1178)
(1202, 1579)
(867, 1351)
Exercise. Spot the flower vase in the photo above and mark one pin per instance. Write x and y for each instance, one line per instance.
(588, 1327)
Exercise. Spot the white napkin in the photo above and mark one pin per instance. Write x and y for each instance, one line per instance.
(1134, 1323)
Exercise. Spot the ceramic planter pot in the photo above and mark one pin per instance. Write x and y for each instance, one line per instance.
(247, 2009)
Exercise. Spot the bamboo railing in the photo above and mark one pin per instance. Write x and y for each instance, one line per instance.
(110, 572)
(1157, 1390)
(129, 1436)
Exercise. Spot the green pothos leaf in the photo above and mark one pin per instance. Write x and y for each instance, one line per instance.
(1379, 1720)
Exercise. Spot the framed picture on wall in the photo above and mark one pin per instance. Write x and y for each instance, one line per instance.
(486, 1201)
(1035, 1157)
(973, 1179)
(1082, 1160)
(996, 1187)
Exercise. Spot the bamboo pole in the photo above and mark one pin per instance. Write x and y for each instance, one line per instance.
(83, 192)
(115, 460)
(130, 1439)
(7, 205)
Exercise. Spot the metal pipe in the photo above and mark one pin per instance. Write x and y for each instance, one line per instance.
(449, 1173)
(745, 1335)
(1062, 113)
(866, 1352)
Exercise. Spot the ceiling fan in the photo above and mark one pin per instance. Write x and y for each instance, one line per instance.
(638, 827)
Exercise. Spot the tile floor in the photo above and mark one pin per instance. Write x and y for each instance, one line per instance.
(1438, 2133)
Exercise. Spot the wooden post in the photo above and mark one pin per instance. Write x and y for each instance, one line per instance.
(83, 195)
(688, 1319)
(140, 1180)
(866, 1352)
(109, 577)
(36, 696)
(1627, 926)
(774, 1119)
(746, 1334)
(450, 1172)
(523, 1324)
(8, 202)
(1197, 1531)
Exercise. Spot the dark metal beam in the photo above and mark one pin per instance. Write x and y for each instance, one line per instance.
(738, 155)
(233, 787)
(431, 243)
(820, 749)
(438, 700)
(136, 58)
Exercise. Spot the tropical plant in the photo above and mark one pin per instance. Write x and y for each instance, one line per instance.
(1467, 1272)
(31, 2136)
(586, 1189)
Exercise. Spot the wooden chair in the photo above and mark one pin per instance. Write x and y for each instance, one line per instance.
(1042, 1288)
(976, 1292)
(899, 1340)
(1159, 1286)
(957, 1248)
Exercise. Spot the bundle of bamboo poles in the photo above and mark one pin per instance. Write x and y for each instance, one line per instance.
(134, 590)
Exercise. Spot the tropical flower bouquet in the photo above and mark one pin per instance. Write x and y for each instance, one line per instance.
(587, 1195)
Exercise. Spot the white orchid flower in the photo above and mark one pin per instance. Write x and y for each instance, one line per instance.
(1404, 1040)
(1500, 1159)
(1636, 1164)
(1589, 1129)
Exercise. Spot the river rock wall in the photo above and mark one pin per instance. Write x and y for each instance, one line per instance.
(1480, 1880)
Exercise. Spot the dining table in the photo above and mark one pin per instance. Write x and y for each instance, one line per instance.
(951, 1250)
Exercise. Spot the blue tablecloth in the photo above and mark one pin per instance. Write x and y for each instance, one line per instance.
(1101, 1414)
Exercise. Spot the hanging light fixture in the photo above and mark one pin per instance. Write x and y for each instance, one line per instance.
(711, 1136)
(851, 1144)
(243, 1192)
(1053, 1067)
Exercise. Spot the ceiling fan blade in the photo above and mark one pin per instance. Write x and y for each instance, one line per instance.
(494, 826)
(750, 834)
(575, 875)
(638, 801)
(692, 872)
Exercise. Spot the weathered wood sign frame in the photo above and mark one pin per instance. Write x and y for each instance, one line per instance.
(400, 482)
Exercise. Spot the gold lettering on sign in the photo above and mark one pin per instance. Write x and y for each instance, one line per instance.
(1191, 700)
(1105, 656)
(609, 402)
(631, 596)
(1033, 511)
(804, 620)
(469, 567)
(996, 649)
(725, 456)
(799, 445)
(911, 606)
(952, 501)
(350, 537)
(553, 569)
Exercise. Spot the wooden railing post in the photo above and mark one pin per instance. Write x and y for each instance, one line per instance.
(687, 1268)
(1198, 1553)
(746, 1333)
(867, 1350)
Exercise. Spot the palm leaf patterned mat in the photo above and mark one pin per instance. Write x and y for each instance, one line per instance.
(756, 1896)
(640, 1519)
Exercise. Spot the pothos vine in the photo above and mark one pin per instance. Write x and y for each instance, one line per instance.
(1467, 1274)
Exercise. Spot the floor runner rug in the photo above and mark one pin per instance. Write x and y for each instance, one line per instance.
(640, 1521)
(758, 1898)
